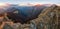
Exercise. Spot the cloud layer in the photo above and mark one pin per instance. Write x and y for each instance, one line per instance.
(30, 1)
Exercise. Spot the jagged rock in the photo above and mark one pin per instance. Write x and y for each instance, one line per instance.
(47, 18)
(16, 26)
(7, 26)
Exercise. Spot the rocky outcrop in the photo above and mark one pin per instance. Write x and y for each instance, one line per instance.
(48, 19)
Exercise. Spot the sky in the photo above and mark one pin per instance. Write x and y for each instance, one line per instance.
(30, 1)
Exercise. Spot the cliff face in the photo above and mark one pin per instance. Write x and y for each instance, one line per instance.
(48, 19)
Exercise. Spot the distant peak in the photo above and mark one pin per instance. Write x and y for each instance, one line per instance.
(53, 5)
(37, 5)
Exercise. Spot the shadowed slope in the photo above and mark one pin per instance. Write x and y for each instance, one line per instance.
(24, 13)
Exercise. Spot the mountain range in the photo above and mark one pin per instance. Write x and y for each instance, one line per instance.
(23, 14)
